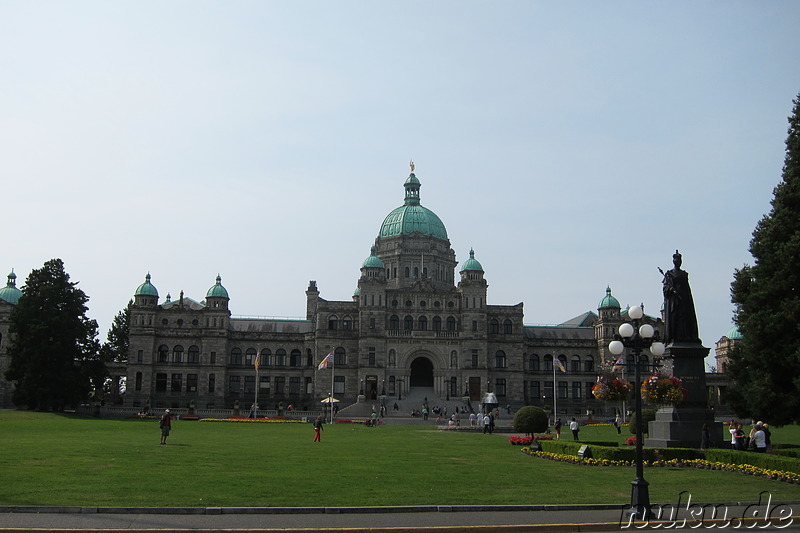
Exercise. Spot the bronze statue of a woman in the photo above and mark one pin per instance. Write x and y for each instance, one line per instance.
(679, 314)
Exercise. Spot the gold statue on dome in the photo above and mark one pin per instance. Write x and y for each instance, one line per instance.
(411, 164)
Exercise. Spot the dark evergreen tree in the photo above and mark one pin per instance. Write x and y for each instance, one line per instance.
(765, 366)
(54, 354)
(116, 347)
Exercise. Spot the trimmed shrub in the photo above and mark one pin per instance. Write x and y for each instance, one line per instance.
(648, 415)
(530, 419)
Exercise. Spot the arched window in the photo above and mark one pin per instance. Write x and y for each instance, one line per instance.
(500, 359)
(296, 358)
(339, 357)
(548, 363)
(588, 364)
(437, 323)
(451, 323)
(280, 357)
(563, 359)
(347, 323)
(494, 326)
(575, 364)
(236, 357)
(408, 322)
(423, 323)
(333, 322)
(507, 327)
(194, 355)
(394, 322)
(266, 357)
(533, 362)
(163, 352)
(250, 357)
(177, 354)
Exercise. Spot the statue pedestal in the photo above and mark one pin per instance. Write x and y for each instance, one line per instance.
(680, 426)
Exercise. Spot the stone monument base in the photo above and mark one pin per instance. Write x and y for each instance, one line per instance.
(681, 427)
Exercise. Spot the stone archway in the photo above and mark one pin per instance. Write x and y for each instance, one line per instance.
(421, 373)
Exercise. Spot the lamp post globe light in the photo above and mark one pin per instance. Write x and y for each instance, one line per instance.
(637, 337)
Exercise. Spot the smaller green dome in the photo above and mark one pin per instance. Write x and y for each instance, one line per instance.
(734, 334)
(608, 301)
(10, 293)
(217, 291)
(146, 288)
(472, 263)
(357, 292)
(373, 261)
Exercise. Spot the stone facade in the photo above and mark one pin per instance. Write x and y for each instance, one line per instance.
(416, 320)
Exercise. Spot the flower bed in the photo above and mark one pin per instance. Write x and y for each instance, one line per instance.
(778, 475)
(348, 421)
(519, 440)
(254, 420)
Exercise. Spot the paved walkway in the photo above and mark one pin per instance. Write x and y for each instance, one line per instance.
(471, 519)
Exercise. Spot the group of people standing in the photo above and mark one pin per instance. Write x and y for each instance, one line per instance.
(759, 439)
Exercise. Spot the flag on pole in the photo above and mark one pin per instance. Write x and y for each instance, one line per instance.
(619, 363)
(558, 364)
(256, 362)
(327, 360)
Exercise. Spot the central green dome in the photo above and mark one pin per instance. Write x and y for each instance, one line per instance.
(412, 217)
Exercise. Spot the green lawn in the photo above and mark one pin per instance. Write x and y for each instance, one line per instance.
(49, 459)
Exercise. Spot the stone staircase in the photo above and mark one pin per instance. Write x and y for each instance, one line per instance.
(414, 399)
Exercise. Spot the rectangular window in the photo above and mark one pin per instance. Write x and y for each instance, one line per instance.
(213, 358)
(535, 390)
(474, 325)
(474, 358)
(140, 356)
(295, 386)
(563, 390)
(371, 323)
(588, 389)
(249, 384)
(338, 384)
(576, 390)
(177, 381)
(371, 357)
(264, 385)
(280, 385)
(212, 383)
(191, 383)
(500, 387)
(391, 386)
(138, 381)
(234, 384)
(548, 390)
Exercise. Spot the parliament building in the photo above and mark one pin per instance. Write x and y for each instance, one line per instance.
(417, 320)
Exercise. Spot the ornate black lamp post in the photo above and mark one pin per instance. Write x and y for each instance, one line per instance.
(638, 337)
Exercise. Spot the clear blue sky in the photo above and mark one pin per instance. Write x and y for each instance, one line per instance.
(573, 146)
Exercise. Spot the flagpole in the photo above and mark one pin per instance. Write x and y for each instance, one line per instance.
(333, 371)
(255, 404)
(555, 392)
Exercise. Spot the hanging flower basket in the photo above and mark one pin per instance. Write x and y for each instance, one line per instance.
(611, 388)
(663, 389)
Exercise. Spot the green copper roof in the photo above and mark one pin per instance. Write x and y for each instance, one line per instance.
(10, 293)
(146, 288)
(608, 300)
(217, 291)
(472, 263)
(373, 261)
(357, 292)
(734, 334)
(412, 217)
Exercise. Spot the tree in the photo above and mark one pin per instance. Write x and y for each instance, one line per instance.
(116, 348)
(54, 354)
(765, 365)
(530, 419)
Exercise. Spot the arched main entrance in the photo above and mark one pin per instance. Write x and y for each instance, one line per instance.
(421, 373)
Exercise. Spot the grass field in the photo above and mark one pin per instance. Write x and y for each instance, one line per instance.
(50, 459)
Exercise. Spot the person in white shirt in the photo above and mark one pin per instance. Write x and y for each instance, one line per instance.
(573, 425)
